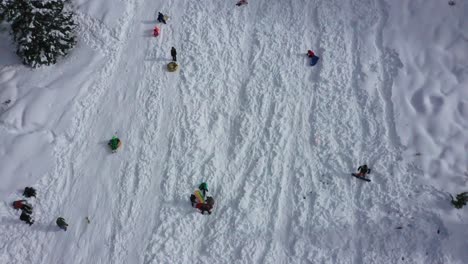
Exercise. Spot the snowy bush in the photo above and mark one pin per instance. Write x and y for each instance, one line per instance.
(43, 29)
(2, 11)
(461, 200)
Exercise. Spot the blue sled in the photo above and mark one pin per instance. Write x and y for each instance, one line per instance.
(314, 60)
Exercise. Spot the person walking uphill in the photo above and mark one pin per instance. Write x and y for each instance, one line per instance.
(174, 54)
(162, 18)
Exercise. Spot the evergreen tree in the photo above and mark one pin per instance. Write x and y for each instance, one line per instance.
(42, 29)
(461, 200)
(2, 10)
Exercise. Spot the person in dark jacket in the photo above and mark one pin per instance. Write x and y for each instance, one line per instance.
(161, 18)
(26, 218)
(363, 170)
(61, 223)
(174, 54)
(210, 200)
(193, 200)
(29, 192)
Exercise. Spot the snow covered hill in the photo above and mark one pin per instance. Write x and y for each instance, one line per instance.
(275, 138)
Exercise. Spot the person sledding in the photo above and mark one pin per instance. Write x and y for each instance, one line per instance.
(26, 218)
(206, 206)
(363, 170)
(23, 206)
(203, 187)
(241, 2)
(29, 192)
(198, 199)
(313, 58)
(114, 144)
(156, 31)
(62, 224)
(162, 18)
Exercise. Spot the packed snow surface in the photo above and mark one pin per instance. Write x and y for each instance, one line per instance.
(275, 138)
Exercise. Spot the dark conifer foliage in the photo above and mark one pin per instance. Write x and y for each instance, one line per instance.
(43, 29)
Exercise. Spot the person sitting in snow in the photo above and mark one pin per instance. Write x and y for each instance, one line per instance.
(114, 143)
(207, 206)
(363, 170)
(193, 200)
(241, 2)
(62, 224)
(23, 205)
(26, 218)
(161, 18)
(156, 31)
(29, 192)
(310, 54)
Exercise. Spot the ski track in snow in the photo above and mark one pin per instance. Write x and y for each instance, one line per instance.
(275, 139)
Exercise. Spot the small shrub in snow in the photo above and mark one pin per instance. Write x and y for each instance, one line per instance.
(43, 29)
(461, 200)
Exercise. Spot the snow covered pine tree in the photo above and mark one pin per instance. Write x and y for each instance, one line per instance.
(42, 29)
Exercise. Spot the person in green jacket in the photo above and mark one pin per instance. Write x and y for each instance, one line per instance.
(62, 224)
(203, 188)
(114, 143)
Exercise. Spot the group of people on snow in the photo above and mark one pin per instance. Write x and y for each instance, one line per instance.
(163, 19)
(27, 209)
(203, 203)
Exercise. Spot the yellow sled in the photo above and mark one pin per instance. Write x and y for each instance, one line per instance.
(172, 66)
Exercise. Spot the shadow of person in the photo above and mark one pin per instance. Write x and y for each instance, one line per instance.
(105, 144)
(149, 22)
(37, 226)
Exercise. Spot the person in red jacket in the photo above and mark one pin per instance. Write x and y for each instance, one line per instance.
(156, 31)
(313, 58)
(23, 205)
(206, 207)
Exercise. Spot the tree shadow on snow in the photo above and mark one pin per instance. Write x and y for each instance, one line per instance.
(7, 49)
